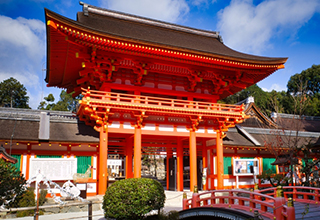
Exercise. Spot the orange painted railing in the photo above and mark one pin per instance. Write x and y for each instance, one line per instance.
(297, 193)
(268, 206)
(138, 101)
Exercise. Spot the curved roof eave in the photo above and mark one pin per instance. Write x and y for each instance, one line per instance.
(206, 45)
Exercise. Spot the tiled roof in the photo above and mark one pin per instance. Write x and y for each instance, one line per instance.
(161, 33)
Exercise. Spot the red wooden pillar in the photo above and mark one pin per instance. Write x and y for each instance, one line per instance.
(28, 156)
(193, 159)
(179, 165)
(211, 170)
(169, 156)
(103, 155)
(129, 173)
(137, 152)
(205, 164)
(137, 143)
(219, 163)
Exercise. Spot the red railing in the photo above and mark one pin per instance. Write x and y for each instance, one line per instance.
(266, 205)
(297, 193)
(147, 101)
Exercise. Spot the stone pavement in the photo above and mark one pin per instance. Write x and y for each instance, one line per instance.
(173, 202)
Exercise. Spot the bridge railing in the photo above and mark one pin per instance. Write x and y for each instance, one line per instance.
(266, 205)
(297, 193)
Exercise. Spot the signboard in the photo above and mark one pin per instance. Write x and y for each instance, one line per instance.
(113, 162)
(53, 168)
(245, 167)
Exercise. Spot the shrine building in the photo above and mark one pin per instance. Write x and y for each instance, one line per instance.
(146, 83)
(149, 81)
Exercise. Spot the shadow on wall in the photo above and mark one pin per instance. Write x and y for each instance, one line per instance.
(86, 130)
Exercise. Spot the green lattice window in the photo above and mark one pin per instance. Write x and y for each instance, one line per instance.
(267, 164)
(227, 165)
(17, 165)
(83, 163)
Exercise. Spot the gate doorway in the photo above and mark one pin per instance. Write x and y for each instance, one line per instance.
(172, 173)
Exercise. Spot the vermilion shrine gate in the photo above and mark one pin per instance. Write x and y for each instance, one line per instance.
(152, 83)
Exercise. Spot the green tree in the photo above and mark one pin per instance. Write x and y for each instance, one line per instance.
(314, 106)
(66, 102)
(287, 134)
(260, 97)
(280, 102)
(11, 183)
(48, 103)
(13, 94)
(309, 166)
(310, 79)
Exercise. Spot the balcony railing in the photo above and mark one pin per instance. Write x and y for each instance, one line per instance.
(148, 101)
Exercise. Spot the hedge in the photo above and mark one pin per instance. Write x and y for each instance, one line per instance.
(133, 198)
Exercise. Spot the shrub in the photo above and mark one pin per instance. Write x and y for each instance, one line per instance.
(133, 198)
(28, 200)
(42, 196)
(11, 183)
(274, 179)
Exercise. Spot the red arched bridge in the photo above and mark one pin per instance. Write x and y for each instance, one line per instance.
(281, 203)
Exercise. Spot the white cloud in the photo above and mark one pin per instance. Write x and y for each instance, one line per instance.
(275, 87)
(248, 27)
(167, 10)
(22, 46)
(201, 2)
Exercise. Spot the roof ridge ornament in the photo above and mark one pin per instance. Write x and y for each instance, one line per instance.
(85, 8)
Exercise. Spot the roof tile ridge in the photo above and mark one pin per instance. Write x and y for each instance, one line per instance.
(253, 106)
(296, 116)
(271, 131)
(129, 17)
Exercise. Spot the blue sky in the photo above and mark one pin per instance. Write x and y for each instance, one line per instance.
(275, 28)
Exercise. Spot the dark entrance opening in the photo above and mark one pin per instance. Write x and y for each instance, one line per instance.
(186, 172)
(172, 173)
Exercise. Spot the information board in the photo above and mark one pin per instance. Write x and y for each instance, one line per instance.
(53, 168)
(245, 167)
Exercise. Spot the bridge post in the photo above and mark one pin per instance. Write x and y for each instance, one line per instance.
(278, 204)
(195, 198)
(185, 202)
(291, 210)
(256, 190)
(294, 194)
(252, 202)
(316, 196)
(231, 200)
